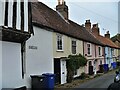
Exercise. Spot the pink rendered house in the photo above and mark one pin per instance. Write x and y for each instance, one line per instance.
(94, 53)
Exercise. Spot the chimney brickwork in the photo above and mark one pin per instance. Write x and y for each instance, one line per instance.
(107, 35)
(95, 29)
(62, 8)
(88, 25)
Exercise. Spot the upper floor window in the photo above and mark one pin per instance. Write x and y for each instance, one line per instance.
(88, 49)
(100, 51)
(113, 52)
(73, 46)
(108, 51)
(59, 42)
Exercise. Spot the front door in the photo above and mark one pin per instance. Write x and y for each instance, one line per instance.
(57, 70)
(94, 68)
(63, 72)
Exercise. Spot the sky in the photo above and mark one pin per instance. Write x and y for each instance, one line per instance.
(103, 12)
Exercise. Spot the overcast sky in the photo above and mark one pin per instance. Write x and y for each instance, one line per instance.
(103, 12)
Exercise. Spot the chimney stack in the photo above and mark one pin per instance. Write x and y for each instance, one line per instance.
(88, 25)
(62, 8)
(95, 29)
(107, 35)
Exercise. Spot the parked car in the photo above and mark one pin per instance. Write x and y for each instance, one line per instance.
(117, 77)
(114, 86)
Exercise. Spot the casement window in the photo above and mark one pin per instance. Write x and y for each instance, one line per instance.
(108, 51)
(100, 51)
(59, 42)
(113, 52)
(89, 49)
(73, 46)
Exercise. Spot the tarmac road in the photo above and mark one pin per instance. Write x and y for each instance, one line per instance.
(101, 82)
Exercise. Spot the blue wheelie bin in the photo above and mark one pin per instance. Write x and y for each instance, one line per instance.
(114, 65)
(49, 80)
(106, 67)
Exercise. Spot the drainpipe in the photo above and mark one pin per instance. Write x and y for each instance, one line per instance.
(83, 48)
(95, 72)
(104, 55)
(95, 51)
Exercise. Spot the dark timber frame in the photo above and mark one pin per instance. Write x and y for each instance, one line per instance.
(14, 14)
(30, 25)
(6, 14)
(11, 33)
(22, 16)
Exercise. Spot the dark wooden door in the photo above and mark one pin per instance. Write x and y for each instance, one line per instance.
(57, 71)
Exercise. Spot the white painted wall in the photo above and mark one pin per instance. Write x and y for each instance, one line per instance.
(18, 20)
(2, 8)
(26, 15)
(79, 71)
(10, 13)
(11, 65)
(40, 60)
(0, 65)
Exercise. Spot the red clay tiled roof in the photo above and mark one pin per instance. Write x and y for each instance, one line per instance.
(106, 41)
(45, 17)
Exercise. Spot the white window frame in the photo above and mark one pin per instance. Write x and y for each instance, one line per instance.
(113, 52)
(59, 35)
(100, 52)
(73, 46)
(90, 49)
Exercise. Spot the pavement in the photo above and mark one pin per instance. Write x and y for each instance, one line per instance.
(101, 82)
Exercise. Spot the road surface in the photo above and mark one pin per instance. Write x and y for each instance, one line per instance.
(99, 82)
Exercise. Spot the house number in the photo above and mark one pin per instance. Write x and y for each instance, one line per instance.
(32, 47)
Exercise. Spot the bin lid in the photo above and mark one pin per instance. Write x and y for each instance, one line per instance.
(48, 74)
(37, 76)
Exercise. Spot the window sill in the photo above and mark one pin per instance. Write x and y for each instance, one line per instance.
(89, 55)
(60, 50)
(74, 53)
(100, 56)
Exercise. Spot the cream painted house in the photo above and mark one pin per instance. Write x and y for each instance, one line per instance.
(60, 54)
(66, 46)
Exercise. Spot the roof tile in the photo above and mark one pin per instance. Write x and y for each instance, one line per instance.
(47, 17)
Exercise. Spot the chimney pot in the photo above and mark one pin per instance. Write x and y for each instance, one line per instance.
(108, 32)
(107, 35)
(58, 2)
(87, 21)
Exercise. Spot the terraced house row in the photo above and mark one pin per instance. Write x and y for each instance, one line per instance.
(37, 39)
